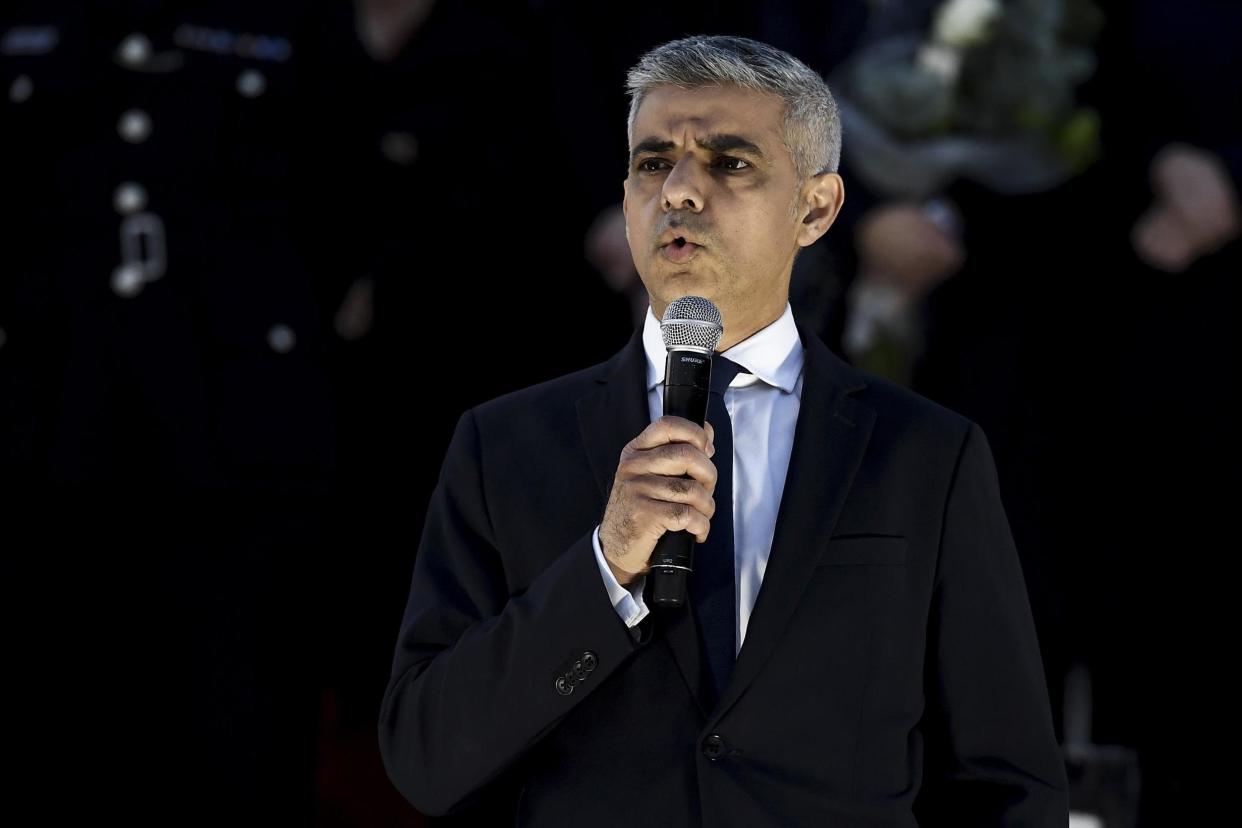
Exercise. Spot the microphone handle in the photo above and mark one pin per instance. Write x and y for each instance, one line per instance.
(687, 383)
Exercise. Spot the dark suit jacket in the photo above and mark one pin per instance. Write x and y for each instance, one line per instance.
(890, 672)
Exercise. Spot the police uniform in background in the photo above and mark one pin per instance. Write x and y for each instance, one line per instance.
(178, 230)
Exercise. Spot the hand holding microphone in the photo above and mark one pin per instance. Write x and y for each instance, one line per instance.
(661, 500)
(664, 484)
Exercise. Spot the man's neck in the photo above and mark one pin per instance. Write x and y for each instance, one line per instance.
(735, 334)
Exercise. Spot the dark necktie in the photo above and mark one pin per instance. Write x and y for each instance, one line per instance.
(711, 583)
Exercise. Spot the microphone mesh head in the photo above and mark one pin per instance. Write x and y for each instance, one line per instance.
(692, 322)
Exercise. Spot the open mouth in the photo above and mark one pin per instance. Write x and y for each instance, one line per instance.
(679, 250)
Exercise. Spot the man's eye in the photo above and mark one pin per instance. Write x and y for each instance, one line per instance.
(728, 163)
(733, 163)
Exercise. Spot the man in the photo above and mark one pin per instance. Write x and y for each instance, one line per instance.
(886, 670)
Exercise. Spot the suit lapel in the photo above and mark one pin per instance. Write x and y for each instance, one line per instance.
(615, 412)
(609, 417)
(829, 441)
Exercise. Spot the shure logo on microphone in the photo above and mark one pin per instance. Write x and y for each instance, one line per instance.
(695, 359)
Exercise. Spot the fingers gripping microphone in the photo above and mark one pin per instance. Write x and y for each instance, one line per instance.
(691, 329)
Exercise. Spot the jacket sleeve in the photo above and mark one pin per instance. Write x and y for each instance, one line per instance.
(479, 674)
(991, 753)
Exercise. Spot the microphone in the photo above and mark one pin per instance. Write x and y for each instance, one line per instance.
(692, 329)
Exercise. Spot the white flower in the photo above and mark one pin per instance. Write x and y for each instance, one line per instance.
(942, 61)
(961, 23)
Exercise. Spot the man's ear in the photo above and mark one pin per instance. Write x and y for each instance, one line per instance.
(821, 204)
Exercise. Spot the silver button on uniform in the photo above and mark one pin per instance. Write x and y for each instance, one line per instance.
(281, 339)
(127, 280)
(134, 126)
(134, 50)
(251, 83)
(129, 198)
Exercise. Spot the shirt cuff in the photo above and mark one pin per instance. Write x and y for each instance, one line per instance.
(628, 602)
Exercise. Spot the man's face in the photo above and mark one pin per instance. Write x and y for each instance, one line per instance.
(709, 166)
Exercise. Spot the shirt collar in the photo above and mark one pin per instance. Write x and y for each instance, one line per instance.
(773, 354)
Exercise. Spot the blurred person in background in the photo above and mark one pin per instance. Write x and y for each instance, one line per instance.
(1164, 453)
(975, 158)
(1025, 299)
(179, 231)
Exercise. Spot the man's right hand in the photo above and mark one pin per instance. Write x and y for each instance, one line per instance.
(651, 493)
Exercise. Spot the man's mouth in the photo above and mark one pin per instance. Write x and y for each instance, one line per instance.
(679, 250)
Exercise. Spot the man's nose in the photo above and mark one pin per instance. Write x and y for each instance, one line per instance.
(682, 190)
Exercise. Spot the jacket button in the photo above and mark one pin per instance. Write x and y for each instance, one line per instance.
(714, 747)
(579, 671)
(563, 687)
(589, 661)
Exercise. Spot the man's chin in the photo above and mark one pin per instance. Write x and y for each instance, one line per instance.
(667, 284)
(677, 277)
(675, 289)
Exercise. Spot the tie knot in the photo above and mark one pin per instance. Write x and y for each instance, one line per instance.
(723, 372)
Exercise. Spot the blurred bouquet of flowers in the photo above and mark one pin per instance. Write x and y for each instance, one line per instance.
(988, 94)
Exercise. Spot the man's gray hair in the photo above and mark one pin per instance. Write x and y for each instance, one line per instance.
(812, 126)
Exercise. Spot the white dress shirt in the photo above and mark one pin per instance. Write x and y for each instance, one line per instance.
(763, 406)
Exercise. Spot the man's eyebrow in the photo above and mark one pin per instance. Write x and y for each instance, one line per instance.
(731, 143)
(649, 145)
(712, 143)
